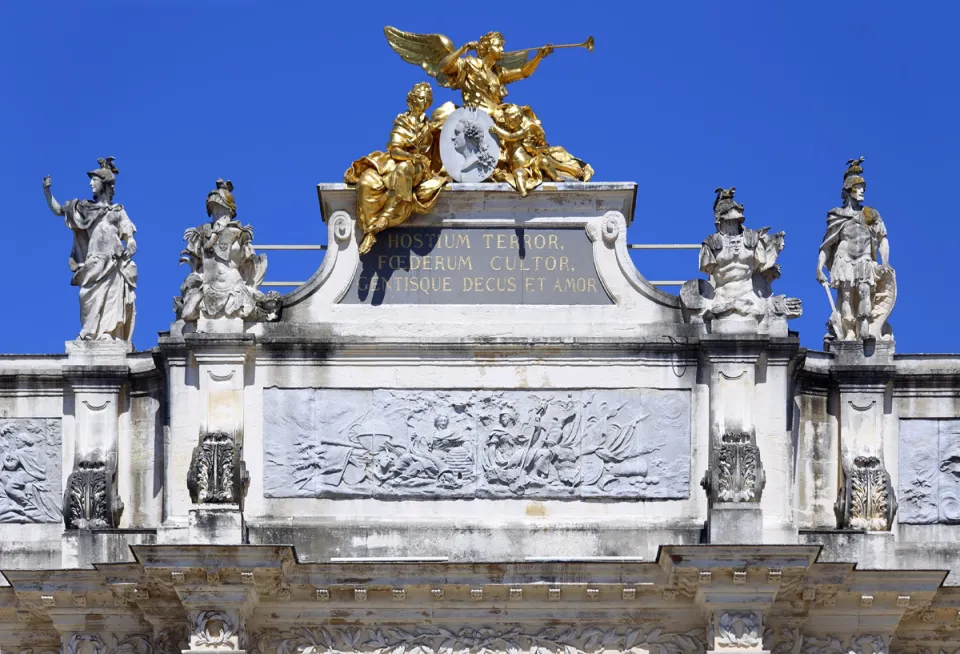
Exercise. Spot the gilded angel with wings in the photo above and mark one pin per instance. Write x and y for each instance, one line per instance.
(481, 79)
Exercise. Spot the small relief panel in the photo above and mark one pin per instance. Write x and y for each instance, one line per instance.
(30, 483)
(628, 444)
(929, 471)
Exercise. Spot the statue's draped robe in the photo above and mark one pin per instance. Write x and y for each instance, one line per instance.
(390, 190)
(107, 280)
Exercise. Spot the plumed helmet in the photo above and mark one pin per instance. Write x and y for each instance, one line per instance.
(853, 175)
(725, 202)
(222, 196)
(107, 172)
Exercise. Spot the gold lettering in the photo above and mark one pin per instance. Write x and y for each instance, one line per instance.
(528, 285)
(511, 284)
(592, 285)
(550, 263)
(539, 241)
(536, 263)
(418, 240)
(511, 263)
(414, 262)
(564, 263)
(487, 238)
(432, 238)
(464, 240)
(552, 242)
(494, 265)
(425, 263)
(514, 242)
(363, 284)
(406, 241)
(382, 260)
(467, 284)
(446, 283)
(501, 241)
(392, 240)
(438, 263)
(465, 263)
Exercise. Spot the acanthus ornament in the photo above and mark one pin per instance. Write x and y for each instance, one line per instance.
(867, 502)
(502, 638)
(106, 643)
(865, 644)
(91, 500)
(215, 630)
(737, 630)
(216, 475)
(737, 473)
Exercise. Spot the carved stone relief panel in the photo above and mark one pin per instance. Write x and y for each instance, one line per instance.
(929, 471)
(632, 443)
(30, 470)
(450, 639)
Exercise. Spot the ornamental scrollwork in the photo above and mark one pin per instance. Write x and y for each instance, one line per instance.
(424, 639)
(216, 629)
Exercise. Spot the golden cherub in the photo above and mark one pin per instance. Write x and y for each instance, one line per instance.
(526, 157)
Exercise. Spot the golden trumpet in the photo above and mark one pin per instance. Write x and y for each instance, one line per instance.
(588, 44)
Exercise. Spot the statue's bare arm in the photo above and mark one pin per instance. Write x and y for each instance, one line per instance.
(883, 249)
(525, 71)
(821, 264)
(448, 65)
(55, 206)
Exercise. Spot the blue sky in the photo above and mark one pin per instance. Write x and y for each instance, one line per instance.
(772, 97)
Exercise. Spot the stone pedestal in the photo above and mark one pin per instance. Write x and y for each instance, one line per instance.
(216, 524)
(732, 523)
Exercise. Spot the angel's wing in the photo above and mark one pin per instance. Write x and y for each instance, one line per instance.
(514, 60)
(424, 50)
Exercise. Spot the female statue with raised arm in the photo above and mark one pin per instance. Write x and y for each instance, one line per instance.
(101, 259)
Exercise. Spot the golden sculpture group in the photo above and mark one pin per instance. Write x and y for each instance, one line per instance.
(407, 178)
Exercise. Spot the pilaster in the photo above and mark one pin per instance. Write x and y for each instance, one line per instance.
(862, 373)
(96, 372)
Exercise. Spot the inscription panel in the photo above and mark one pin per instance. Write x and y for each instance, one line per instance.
(430, 444)
(432, 265)
(30, 483)
(929, 471)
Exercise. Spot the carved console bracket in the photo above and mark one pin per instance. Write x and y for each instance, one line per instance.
(736, 472)
(91, 500)
(867, 501)
(217, 475)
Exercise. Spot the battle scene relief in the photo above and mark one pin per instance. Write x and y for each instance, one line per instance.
(435, 444)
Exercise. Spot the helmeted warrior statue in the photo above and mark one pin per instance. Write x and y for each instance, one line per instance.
(225, 270)
(101, 259)
(855, 238)
(742, 265)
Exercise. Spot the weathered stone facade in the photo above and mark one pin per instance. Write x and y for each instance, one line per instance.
(400, 472)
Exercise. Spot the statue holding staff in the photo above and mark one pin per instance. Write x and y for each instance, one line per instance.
(855, 238)
(101, 259)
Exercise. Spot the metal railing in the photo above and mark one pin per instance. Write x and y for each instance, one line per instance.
(630, 246)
